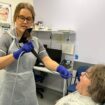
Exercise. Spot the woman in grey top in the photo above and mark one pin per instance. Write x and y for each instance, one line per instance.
(18, 87)
(90, 89)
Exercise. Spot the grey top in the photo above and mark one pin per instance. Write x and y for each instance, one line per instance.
(76, 98)
(18, 86)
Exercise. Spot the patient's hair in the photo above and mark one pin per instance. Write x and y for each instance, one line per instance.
(97, 87)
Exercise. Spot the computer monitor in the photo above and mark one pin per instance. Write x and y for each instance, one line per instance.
(54, 54)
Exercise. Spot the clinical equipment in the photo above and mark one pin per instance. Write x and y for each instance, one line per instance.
(26, 37)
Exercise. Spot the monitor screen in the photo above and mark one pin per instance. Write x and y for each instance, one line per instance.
(54, 54)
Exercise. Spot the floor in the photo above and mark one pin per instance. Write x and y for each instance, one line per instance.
(50, 97)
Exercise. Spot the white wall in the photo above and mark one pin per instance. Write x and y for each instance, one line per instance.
(86, 17)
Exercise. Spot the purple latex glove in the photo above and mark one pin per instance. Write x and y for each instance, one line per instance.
(64, 72)
(27, 47)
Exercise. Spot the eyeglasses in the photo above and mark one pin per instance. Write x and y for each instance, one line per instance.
(85, 74)
(23, 18)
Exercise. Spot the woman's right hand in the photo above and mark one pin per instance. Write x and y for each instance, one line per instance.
(27, 47)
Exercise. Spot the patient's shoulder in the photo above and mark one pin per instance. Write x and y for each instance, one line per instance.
(75, 99)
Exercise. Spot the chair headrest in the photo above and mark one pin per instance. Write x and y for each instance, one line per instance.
(80, 70)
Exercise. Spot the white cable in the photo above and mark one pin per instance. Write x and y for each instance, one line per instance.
(16, 77)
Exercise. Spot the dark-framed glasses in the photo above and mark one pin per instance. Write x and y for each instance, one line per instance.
(23, 18)
(85, 74)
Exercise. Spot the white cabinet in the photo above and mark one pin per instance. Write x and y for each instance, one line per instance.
(62, 39)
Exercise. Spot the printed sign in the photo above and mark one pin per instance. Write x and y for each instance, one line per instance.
(5, 13)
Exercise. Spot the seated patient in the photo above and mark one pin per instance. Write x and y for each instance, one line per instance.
(90, 89)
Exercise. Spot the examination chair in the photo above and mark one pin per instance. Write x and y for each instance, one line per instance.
(72, 87)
